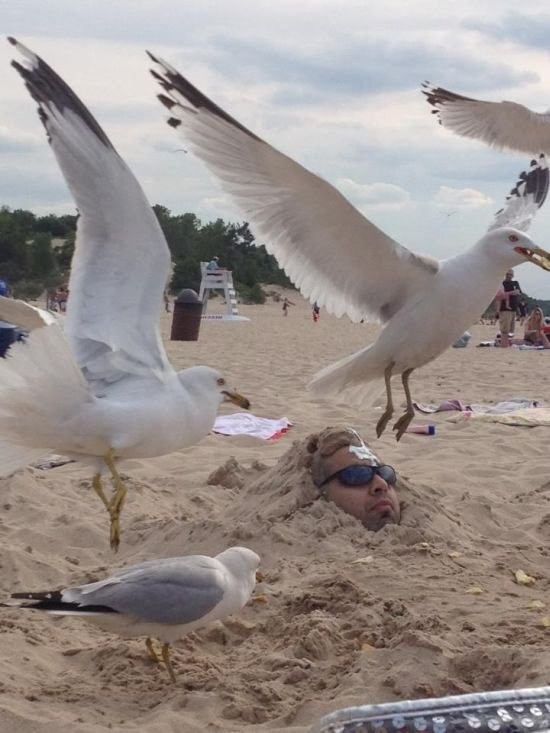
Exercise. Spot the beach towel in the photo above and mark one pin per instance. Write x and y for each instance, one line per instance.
(515, 403)
(245, 423)
(527, 417)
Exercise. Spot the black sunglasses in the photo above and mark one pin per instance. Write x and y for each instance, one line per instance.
(360, 475)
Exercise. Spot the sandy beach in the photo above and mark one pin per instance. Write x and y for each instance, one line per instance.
(427, 608)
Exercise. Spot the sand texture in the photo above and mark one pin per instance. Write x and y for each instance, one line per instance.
(430, 607)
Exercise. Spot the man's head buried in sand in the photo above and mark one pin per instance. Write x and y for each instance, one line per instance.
(347, 472)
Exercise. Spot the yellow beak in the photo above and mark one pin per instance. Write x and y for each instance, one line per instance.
(237, 399)
(536, 255)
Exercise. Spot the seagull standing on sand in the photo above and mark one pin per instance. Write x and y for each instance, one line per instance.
(339, 259)
(102, 389)
(500, 124)
(165, 599)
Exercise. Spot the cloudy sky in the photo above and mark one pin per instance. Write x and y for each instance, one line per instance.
(333, 83)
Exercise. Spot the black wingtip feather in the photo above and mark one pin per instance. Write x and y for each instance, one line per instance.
(45, 595)
(46, 87)
(53, 601)
(166, 101)
(172, 80)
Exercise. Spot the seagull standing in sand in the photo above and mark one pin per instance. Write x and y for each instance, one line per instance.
(166, 598)
(341, 260)
(102, 389)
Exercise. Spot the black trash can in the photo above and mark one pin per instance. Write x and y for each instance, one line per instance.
(186, 319)
(8, 335)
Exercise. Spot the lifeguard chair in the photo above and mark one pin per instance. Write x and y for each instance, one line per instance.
(219, 279)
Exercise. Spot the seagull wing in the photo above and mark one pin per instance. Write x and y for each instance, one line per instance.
(332, 253)
(500, 124)
(170, 591)
(525, 199)
(121, 261)
(26, 316)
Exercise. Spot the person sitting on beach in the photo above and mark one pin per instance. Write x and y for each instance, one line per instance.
(534, 329)
(347, 472)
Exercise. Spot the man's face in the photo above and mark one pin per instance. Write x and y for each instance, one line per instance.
(509, 275)
(374, 504)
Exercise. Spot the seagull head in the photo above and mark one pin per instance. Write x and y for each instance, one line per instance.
(512, 247)
(205, 380)
(242, 563)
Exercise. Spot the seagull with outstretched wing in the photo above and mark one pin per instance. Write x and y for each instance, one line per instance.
(102, 389)
(344, 262)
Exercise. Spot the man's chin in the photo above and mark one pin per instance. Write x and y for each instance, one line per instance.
(374, 522)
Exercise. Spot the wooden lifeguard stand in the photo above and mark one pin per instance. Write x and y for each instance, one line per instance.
(219, 279)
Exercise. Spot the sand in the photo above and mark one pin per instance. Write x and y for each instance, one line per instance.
(430, 607)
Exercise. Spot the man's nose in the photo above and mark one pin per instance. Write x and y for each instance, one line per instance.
(378, 485)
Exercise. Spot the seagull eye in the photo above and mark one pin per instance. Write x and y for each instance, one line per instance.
(513, 238)
(221, 381)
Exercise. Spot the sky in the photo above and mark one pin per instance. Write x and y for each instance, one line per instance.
(335, 84)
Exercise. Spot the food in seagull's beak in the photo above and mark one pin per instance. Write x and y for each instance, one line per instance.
(536, 255)
(236, 398)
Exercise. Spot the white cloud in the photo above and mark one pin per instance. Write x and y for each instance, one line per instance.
(461, 198)
(325, 82)
(14, 141)
(374, 195)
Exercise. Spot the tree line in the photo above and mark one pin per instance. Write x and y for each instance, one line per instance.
(36, 252)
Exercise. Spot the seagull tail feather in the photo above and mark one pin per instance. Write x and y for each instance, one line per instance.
(40, 386)
(359, 374)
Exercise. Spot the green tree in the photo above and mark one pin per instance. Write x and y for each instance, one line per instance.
(42, 262)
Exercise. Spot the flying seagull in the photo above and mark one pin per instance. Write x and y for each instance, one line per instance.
(165, 599)
(500, 124)
(102, 389)
(341, 260)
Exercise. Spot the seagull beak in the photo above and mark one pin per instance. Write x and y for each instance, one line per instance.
(236, 398)
(536, 255)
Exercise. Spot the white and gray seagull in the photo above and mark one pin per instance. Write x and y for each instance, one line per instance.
(500, 124)
(165, 599)
(101, 389)
(340, 259)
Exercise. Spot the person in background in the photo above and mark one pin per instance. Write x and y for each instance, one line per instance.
(286, 305)
(315, 312)
(534, 334)
(508, 296)
(522, 311)
(213, 264)
(61, 298)
(4, 288)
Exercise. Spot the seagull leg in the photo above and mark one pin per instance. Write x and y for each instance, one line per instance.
(151, 650)
(405, 420)
(98, 488)
(117, 500)
(388, 412)
(166, 658)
